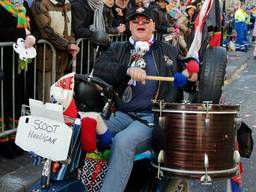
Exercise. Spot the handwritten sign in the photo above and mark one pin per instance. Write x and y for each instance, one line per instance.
(45, 137)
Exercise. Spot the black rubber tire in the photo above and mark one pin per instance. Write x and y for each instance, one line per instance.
(174, 185)
(212, 74)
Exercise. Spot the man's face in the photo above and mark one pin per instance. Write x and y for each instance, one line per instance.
(141, 28)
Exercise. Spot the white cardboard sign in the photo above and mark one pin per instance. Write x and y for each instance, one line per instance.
(43, 136)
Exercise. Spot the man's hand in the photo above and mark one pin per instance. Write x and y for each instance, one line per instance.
(193, 77)
(73, 49)
(192, 69)
(137, 74)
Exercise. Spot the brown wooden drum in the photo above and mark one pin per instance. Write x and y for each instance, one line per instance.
(199, 138)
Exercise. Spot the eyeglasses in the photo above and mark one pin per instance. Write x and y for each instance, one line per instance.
(144, 22)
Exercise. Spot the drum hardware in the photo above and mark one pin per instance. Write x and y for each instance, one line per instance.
(207, 120)
(45, 177)
(106, 112)
(161, 118)
(160, 159)
(67, 161)
(236, 156)
(238, 122)
(186, 98)
(206, 179)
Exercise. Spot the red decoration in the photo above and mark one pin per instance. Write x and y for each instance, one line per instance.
(192, 66)
(88, 134)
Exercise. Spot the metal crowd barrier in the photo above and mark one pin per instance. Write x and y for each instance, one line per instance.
(4, 130)
(86, 58)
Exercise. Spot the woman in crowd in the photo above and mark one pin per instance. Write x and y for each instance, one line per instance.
(14, 24)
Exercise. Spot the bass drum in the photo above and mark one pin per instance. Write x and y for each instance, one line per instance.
(198, 138)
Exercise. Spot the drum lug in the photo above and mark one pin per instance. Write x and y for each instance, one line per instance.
(207, 120)
(160, 160)
(236, 156)
(238, 122)
(206, 179)
(206, 161)
(206, 123)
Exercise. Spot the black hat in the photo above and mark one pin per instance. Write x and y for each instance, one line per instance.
(140, 11)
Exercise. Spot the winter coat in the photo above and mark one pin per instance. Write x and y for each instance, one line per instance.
(54, 22)
(109, 20)
(82, 18)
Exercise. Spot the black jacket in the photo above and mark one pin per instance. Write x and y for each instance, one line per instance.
(111, 66)
(82, 18)
(109, 20)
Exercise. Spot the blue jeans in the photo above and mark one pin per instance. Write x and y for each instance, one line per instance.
(130, 137)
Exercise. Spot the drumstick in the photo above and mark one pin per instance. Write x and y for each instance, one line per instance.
(159, 78)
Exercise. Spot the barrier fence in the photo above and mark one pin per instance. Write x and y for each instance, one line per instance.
(16, 88)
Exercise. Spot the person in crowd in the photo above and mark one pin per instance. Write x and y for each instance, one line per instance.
(251, 26)
(132, 123)
(15, 22)
(186, 25)
(53, 18)
(254, 52)
(120, 8)
(240, 25)
(109, 19)
(87, 17)
(254, 29)
(162, 23)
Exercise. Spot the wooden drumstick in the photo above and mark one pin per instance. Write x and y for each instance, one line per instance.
(159, 78)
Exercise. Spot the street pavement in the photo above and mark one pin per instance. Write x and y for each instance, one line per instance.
(236, 60)
(8, 168)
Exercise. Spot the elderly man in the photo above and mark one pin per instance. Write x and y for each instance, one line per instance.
(132, 123)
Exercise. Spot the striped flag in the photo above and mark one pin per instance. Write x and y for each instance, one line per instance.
(199, 24)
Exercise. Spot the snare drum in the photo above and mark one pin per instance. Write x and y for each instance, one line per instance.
(199, 139)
